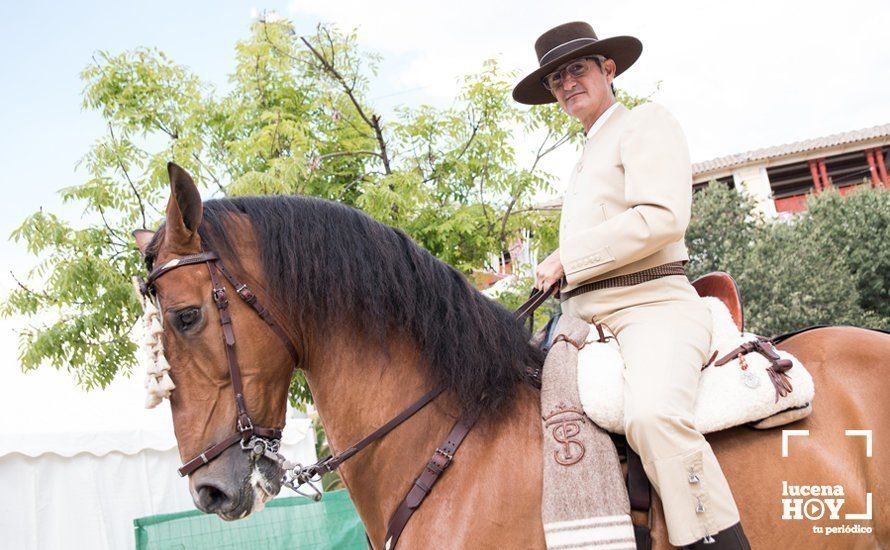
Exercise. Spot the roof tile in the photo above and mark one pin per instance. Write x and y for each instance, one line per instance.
(731, 161)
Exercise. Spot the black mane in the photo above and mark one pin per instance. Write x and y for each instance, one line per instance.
(330, 265)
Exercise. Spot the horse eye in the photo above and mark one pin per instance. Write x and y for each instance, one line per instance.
(186, 319)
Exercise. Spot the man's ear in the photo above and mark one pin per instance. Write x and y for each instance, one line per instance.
(184, 211)
(610, 69)
(143, 238)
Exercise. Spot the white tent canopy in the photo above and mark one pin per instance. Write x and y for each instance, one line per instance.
(77, 467)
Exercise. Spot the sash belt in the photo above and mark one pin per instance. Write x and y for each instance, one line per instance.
(630, 279)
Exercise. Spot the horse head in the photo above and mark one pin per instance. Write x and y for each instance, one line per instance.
(204, 405)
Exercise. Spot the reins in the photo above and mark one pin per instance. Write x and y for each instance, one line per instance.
(260, 441)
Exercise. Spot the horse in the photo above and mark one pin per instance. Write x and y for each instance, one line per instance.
(376, 321)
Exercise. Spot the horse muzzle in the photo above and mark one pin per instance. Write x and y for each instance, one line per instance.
(237, 495)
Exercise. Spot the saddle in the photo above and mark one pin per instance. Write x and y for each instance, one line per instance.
(734, 352)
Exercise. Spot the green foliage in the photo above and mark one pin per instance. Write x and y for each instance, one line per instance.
(295, 119)
(517, 292)
(330, 481)
(855, 230)
(827, 265)
(723, 228)
(789, 283)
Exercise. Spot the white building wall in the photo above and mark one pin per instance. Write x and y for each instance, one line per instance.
(754, 181)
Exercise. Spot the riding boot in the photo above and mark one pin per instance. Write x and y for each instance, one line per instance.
(731, 538)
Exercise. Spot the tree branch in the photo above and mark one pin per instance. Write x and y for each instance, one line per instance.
(111, 231)
(550, 149)
(210, 172)
(541, 153)
(346, 153)
(43, 295)
(373, 121)
(127, 175)
(264, 101)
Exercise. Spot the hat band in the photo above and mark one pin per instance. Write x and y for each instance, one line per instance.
(544, 59)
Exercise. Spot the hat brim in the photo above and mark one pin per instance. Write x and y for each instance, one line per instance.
(623, 50)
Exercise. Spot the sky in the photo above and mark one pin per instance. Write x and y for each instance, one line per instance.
(737, 75)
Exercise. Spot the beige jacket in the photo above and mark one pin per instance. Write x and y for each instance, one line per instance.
(629, 198)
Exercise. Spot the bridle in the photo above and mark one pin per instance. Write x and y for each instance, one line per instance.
(260, 441)
(246, 433)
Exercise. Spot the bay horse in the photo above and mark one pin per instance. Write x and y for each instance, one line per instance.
(376, 321)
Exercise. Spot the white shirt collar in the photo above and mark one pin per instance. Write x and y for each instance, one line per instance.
(601, 120)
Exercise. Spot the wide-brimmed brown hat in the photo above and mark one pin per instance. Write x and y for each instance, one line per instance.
(567, 42)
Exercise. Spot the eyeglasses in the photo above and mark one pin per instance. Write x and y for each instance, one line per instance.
(577, 68)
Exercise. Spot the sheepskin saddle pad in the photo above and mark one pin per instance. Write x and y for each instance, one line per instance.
(747, 380)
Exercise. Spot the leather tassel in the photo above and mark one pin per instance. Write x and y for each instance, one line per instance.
(781, 382)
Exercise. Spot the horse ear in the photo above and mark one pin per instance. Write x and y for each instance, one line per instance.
(143, 238)
(184, 210)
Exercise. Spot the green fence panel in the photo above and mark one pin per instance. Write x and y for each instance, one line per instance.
(284, 523)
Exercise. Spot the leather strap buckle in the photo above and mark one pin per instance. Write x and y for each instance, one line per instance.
(220, 297)
(448, 456)
(440, 461)
(326, 466)
(246, 294)
(245, 425)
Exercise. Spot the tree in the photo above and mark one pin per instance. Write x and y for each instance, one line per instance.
(805, 271)
(296, 120)
(854, 229)
(723, 229)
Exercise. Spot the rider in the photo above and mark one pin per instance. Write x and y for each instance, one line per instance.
(620, 263)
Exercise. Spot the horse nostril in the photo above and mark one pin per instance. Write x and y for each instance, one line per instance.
(213, 499)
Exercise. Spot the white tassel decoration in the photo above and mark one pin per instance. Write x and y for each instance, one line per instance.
(156, 330)
(163, 365)
(166, 385)
(152, 401)
(158, 383)
(150, 308)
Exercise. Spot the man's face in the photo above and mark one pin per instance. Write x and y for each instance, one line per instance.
(588, 95)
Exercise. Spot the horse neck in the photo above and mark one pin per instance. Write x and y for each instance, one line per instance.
(356, 391)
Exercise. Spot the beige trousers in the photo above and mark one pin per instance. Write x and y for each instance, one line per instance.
(664, 331)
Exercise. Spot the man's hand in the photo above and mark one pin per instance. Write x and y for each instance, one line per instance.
(549, 272)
